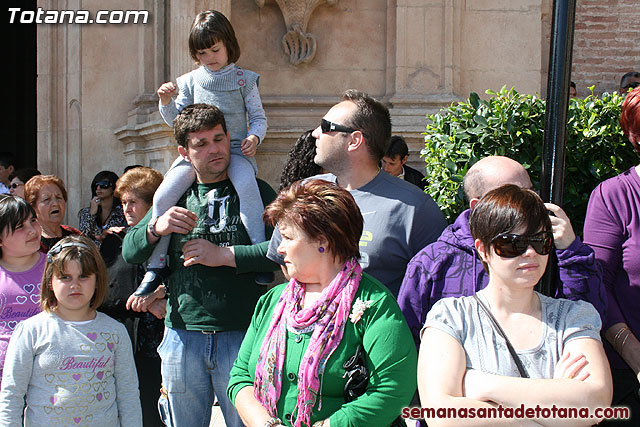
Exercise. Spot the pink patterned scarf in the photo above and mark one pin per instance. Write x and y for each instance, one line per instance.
(328, 317)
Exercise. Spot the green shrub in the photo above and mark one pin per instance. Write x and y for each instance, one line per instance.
(512, 124)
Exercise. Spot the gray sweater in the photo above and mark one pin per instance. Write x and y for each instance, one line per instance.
(70, 374)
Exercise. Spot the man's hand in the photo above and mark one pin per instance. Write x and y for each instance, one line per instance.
(200, 251)
(158, 308)
(563, 235)
(166, 92)
(141, 304)
(249, 145)
(176, 220)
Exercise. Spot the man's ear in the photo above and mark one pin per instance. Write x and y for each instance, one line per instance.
(473, 202)
(356, 140)
(404, 159)
(183, 152)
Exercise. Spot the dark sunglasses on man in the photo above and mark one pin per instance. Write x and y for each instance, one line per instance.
(509, 245)
(326, 126)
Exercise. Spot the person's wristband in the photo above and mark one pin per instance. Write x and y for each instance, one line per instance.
(152, 227)
(273, 421)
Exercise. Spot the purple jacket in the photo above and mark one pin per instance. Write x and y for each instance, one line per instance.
(450, 267)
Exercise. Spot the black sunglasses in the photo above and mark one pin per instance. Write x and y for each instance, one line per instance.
(104, 184)
(512, 245)
(327, 126)
(14, 186)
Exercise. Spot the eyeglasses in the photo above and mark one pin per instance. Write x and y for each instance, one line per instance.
(327, 126)
(14, 186)
(512, 245)
(104, 184)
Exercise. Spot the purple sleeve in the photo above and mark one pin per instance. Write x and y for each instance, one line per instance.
(603, 233)
(413, 297)
(580, 277)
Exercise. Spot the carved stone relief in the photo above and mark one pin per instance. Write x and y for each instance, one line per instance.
(299, 45)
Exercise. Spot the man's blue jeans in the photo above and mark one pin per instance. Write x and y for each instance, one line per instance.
(196, 365)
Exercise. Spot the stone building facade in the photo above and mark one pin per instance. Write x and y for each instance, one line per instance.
(97, 107)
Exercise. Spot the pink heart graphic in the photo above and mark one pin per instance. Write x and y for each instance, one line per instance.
(99, 375)
(99, 396)
(77, 420)
(110, 345)
(53, 400)
(92, 336)
(76, 376)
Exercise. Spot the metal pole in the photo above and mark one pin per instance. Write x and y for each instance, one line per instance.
(555, 123)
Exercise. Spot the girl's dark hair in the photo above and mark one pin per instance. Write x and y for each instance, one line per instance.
(74, 248)
(300, 161)
(13, 212)
(505, 209)
(210, 27)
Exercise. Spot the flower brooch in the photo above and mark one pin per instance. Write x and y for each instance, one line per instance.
(358, 309)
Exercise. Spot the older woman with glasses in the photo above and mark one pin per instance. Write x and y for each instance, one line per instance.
(48, 197)
(291, 367)
(509, 345)
(104, 211)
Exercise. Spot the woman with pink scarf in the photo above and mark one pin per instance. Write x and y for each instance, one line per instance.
(290, 370)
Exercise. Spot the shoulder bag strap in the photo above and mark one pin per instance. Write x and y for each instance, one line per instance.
(496, 325)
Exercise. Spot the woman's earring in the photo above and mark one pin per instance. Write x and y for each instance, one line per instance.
(321, 249)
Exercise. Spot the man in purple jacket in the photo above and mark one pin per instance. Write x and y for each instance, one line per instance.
(450, 266)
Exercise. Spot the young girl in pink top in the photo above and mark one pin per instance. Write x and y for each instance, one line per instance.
(21, 267)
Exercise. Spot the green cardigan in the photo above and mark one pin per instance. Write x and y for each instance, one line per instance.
(391, 358)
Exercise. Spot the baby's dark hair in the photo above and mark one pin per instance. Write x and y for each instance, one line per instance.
(73, 248)
(210, 27)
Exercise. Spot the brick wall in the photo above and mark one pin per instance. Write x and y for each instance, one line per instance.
(606, 43)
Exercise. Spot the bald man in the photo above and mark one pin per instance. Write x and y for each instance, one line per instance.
(450, 267)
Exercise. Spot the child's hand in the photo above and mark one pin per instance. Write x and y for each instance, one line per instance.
(249, 146)
(166, 92)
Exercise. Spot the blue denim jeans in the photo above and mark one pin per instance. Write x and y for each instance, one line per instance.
(195, 368)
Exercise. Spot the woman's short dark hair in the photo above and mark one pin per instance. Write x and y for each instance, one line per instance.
(90, 260)
(505, 209)
(322, 210)
(13, 212)
(24, 174)
(141, 181)
(34, 185)
(210, 27)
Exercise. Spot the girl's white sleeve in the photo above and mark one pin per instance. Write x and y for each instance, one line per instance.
(170, 111)
(256, 114)
(18, 366)
(126, 379)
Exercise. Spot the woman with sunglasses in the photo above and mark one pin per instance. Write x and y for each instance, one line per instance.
(104, 213)
(612, 229)
(509, 345)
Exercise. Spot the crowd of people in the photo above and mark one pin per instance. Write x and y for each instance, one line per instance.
(156, 308)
